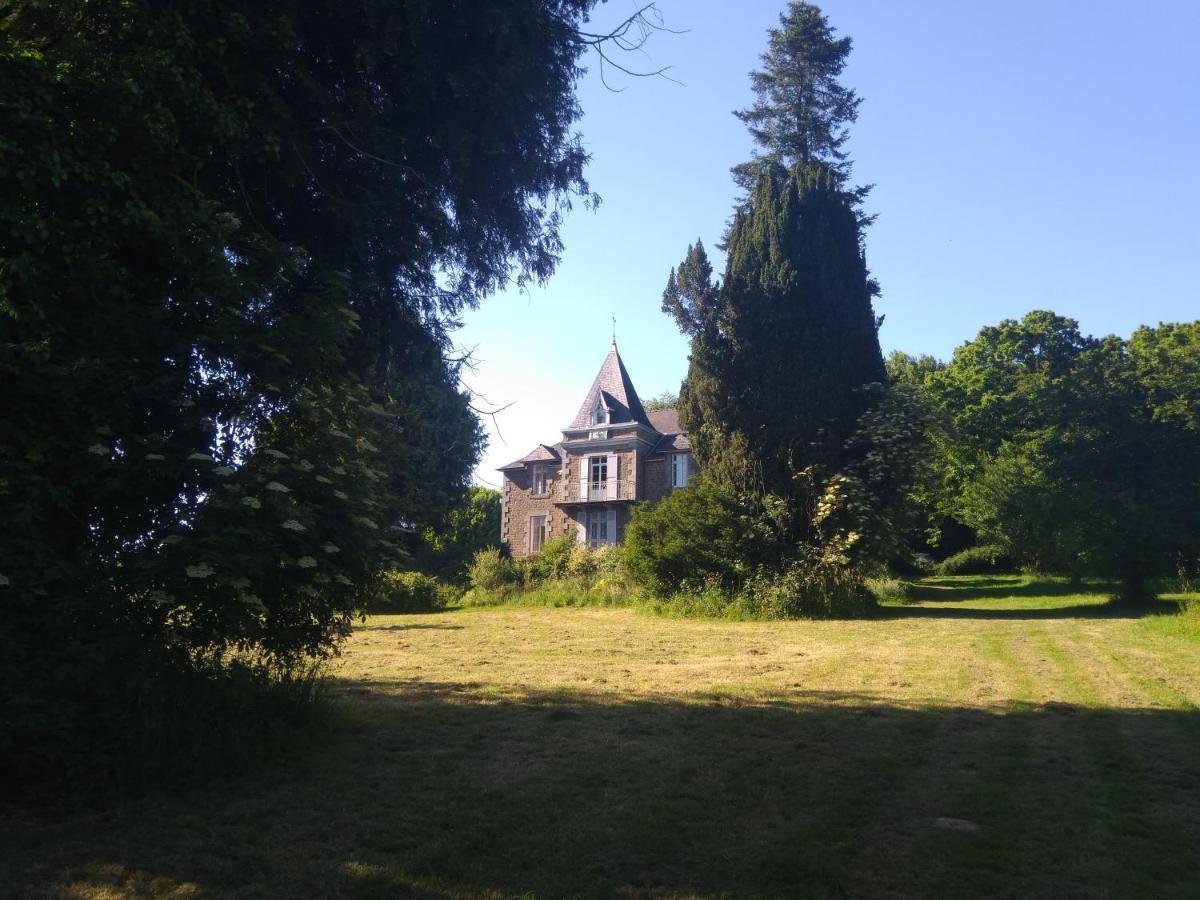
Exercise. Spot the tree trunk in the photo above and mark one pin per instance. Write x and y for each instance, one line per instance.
(1134, 590)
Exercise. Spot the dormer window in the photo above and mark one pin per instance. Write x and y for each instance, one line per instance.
(599, 413)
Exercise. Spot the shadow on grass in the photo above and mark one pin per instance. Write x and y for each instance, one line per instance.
(1092, 600)
(950, 590)
(1101, 609)
(415, 626)
(444, 792)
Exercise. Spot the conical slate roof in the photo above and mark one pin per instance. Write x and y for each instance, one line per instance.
(613, 384)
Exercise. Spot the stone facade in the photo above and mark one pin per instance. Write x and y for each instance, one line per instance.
(612, 456)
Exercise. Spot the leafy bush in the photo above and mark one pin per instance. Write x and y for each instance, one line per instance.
(986, 559)
(446, 547)
(406, 592)
(554, 559)
(697, 536)
(610, 561)
(491, 570)
(810, 588)
(595, 562)
(583, 562)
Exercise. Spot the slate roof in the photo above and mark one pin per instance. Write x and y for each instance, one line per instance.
(666, 421)
(540, 453)
(612, 382)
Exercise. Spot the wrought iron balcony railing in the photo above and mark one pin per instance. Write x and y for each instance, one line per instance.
(595, 491)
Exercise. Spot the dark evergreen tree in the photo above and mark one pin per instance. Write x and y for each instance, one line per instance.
(782, 348)
(781, 352)
(231, 239)
(691, 293)
(801, 111)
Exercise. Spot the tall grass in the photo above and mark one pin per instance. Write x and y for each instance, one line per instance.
(570, 590)
(1183, 623)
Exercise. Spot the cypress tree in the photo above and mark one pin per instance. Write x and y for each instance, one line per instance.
(782, 347)
(801, 111)
(776, 370)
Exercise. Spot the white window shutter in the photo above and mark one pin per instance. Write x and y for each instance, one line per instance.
(684, 460)
(612, 477)
(612, 526)
(584, 475)
(581, 528)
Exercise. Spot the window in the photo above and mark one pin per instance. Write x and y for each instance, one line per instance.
(537, 533)
(539, 480)
(598, 528)
(599, 466)
(599, 413)
(679, 470)
(598, 480)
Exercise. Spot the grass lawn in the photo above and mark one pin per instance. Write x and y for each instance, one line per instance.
(999, 737)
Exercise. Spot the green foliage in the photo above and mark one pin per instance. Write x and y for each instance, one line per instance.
(1011, 379)
(905, 369)
(665, 400)
(564, 573)
(801, 110)
(890, 591)
(465, 528)
(403, 592)
(691, 296)
(812, 587)
(491, 570)
(866, 510)
(1167, 363)
(554, 559)
(571, 590)
(799, 443)
(230, 245)
(781, 351)
(809, 588)
(986, 559)
(696, 536)
(1074, 454)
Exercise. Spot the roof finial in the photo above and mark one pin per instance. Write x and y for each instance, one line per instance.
(614, 331)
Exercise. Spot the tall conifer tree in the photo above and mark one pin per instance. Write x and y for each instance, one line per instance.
(782, 348)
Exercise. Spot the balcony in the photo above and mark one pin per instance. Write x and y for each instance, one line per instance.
(595, 491)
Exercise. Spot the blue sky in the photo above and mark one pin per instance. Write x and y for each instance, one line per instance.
(1025, 155)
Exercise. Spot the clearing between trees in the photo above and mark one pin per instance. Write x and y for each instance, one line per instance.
(1000, 736)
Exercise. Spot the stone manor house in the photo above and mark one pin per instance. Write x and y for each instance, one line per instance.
(613, 454)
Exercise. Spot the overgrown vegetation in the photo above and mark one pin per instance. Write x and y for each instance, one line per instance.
(404, 592)
(563, 573)
(231, 246)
